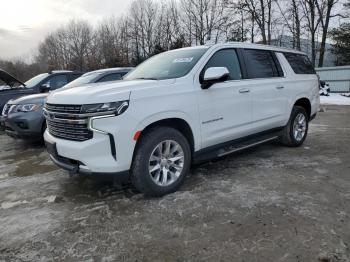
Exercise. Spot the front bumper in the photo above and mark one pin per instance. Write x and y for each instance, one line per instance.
(107, 152)
(23, 125)
(78, 168)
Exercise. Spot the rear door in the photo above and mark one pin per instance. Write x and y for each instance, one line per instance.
(269, 98)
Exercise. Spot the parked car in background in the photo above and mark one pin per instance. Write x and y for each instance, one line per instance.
(23, 117)
(182, 106)
(42, 83)
(39, 84)
(101, 75)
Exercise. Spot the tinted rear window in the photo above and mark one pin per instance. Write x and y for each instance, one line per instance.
(300, 63)
(261, 64)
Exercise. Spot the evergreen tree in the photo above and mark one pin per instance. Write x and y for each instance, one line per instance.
(341, 46)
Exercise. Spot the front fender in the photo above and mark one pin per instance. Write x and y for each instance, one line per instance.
(173, 114)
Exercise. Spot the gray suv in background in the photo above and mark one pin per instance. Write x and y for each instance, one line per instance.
(23, 117)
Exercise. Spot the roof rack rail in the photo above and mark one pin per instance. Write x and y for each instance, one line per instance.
(60, 71)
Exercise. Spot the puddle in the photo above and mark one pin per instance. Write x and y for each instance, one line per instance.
(22, 158)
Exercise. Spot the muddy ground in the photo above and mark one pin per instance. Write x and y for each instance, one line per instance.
(270, 203)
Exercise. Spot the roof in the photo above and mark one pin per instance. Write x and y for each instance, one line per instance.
(116, 69)
(247, 45)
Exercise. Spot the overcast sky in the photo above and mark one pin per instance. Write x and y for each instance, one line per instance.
(24, 23)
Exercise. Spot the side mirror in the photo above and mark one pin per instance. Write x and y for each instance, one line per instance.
(214, 75)
(44, 88)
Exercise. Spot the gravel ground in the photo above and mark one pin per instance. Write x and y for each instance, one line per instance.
(270, 203)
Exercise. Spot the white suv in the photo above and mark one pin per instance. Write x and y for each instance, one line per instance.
(182, 106)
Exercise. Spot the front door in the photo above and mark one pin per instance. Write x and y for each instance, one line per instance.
(224, 108)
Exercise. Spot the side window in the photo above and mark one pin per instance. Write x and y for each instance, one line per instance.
(260, 64)
(110, 77)
(300, 63)
(73, 77)
(57, 81)
(225, 58)
(123, 73)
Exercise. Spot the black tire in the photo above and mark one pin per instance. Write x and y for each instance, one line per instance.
(287, 138)
(140, 176)
(43, 128)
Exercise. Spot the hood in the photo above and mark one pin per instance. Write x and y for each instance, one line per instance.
(31, 99)
(9, 79)
(98, 92)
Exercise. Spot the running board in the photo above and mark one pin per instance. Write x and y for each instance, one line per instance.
(229, 147)
(232, 149)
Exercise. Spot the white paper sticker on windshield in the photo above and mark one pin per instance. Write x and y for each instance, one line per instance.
(183, 60)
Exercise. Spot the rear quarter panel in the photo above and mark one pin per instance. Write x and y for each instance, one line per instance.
(299, 86)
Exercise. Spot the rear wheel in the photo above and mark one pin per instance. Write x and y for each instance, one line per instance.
(295, 132)
(162, 161)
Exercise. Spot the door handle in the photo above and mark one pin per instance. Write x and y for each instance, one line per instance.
(279, 87)
(244, 90)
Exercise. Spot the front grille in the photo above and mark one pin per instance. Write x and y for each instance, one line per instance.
(66, 122)
(74, 109)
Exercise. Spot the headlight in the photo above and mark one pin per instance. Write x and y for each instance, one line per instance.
(116, 108)
(24, 108)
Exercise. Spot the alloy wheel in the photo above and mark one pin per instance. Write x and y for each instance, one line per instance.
(166, 162)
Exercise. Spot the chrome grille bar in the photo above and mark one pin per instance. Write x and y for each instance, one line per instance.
(66, 122)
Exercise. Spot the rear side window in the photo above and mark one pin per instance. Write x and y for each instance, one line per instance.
(110, 77)
(261, 64)
(300, 63)
(57, 81)
(225, 58)
(73, 77)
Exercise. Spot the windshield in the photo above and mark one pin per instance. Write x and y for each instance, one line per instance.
(35, 80)
(84, 79)
(172, 64)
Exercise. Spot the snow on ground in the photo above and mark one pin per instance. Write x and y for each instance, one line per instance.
(335, 99)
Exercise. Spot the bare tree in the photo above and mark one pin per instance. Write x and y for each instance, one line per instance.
(292, 19)
(79, 35)
(324, 8)
(240, 22)
(68, 47)
(261, 12)
(313, 21)
(204, 19)
(152, 26)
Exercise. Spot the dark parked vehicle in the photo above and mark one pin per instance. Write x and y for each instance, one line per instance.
(39, 84)
(23, 117)
(42, 83)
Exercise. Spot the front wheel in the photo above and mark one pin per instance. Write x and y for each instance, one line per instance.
(295, 132)
(161, 162)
